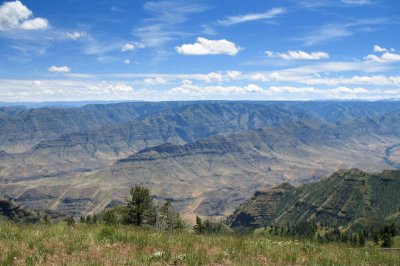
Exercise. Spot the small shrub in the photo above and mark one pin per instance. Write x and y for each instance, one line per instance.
(70, 221)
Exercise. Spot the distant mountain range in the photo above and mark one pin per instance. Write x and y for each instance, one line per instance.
(349, 199)
(207, 157)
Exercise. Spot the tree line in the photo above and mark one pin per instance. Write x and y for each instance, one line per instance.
(380, 234)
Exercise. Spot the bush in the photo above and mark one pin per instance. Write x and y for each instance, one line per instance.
(70, 221)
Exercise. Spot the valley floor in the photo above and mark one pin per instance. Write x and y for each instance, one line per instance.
(83, 244)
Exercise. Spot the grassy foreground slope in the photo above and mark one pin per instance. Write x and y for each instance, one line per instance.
(83, 244)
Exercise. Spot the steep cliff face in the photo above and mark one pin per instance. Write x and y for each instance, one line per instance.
(347, 198)
(21, 129)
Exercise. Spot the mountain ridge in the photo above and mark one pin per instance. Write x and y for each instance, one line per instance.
(348, 198)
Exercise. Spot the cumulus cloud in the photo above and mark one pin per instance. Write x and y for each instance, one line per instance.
(386, 57)
(60, 69)
(61, 90)
(379, 49)
(127, 47)
(272, 13)
(233, 74)
(204, 46)
(212, 77)
(317, 79)
(35, 24)
(76, 35)
(346, 90)
(218, 76)
(154, 81)
(188, 87)
(298, 55)
(341, 92)
(127, 61)
(54, 90)
(15, 15)
(291, 89)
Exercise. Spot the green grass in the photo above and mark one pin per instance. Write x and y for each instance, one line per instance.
(83, 244)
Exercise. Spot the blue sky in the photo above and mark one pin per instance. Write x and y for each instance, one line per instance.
(195, 50)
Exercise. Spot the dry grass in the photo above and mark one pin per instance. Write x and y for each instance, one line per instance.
(83, 244)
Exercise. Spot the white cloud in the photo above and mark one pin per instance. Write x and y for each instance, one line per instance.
(386, 57)
(60, 69)
(346, 90)
(379, 49)
(272, 13)
(233, 74)
(291, 89)
(54, 90)
(127, 61)
(212, 77)
(35, 24)
(204, 46)
(76, 35)
(127, 47)
(298, 55)
(189, 88)
(216, 76)
(15, 15)
(154, 81)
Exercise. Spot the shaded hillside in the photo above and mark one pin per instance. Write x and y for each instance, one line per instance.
(348, 198)
(15, 213)
(21, 128)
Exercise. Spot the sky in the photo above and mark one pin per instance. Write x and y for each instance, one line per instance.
(199, 50)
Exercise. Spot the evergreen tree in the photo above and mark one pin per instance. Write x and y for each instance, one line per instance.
(387, 240)
(110, 217)
(198, 227)
(361, 239)
(140, 207)
(167, 219)
(94, 219)
(376, 238)
(70, 221)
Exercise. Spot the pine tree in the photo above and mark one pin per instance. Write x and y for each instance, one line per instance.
(376, 238)
(387, 240)
(140, 207)
(361, 239)
(198, 227)
(94, 219)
